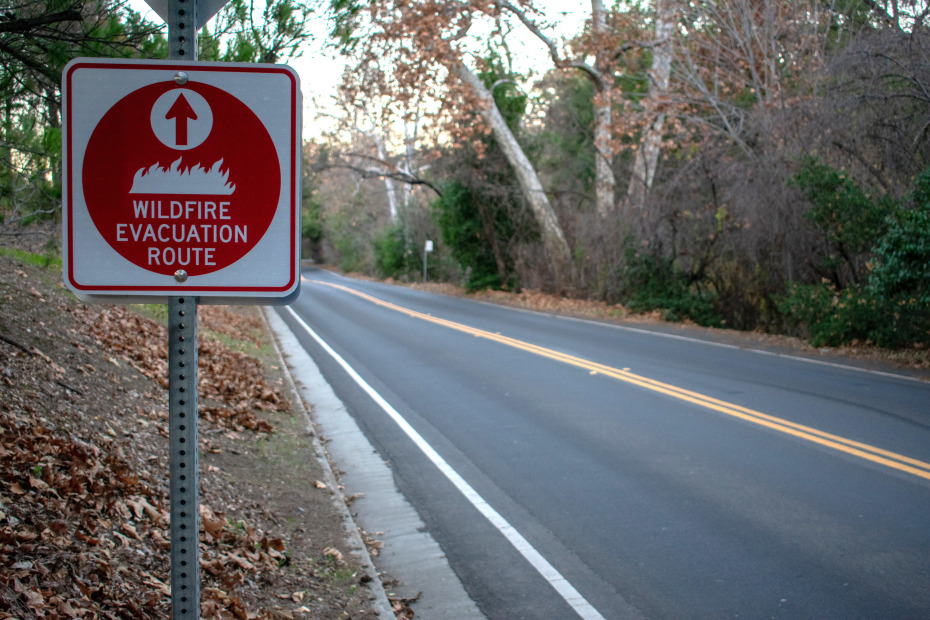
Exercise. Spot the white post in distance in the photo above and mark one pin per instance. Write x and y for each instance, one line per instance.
(426, 250)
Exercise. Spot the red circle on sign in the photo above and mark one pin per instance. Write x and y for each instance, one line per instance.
(198, 209)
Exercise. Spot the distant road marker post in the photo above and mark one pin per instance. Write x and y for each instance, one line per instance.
(427, 248)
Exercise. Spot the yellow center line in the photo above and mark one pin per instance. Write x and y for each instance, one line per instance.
(836, 442)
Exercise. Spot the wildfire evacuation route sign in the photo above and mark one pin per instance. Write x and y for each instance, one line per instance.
(181, 178)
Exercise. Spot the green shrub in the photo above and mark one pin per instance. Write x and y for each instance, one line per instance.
(351, 253)
(900, 273)
(890, 307)
(459, 220)
(901, 265)
(893, 308)
(830, 317)
(49, 257)
(850, 220)
(393, 258)
(649, 282)
(311, 228)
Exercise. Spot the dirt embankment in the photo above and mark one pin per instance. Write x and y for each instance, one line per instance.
(84, 465)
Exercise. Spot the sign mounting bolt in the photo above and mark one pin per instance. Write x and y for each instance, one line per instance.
(180, 275)
(180, 78)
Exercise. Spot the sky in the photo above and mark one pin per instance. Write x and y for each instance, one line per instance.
(320, 70)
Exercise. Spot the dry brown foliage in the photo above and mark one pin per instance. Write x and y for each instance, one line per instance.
(84, 511)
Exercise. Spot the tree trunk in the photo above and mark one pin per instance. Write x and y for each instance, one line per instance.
(644, 164)
(605, 184)
(553, 238)
(388, 182)
(410, 138)
(602, 75)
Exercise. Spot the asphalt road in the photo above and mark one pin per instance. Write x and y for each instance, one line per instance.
(570, 468)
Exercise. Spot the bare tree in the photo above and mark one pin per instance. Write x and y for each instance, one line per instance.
(647, 155)
(604, 49)
(738, 58)
(428, 41)
(597, 59)
(363, 130)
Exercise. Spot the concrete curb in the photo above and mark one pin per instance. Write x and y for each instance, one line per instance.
(377, 594)
(411, 561)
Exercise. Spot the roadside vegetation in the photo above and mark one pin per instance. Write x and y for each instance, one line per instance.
(755, 166)
(759, 166)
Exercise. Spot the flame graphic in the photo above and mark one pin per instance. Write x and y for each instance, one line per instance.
(175, 180)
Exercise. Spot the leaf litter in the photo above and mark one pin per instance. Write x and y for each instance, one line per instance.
(84, 517)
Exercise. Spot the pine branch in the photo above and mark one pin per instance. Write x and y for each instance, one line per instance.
(25, 25)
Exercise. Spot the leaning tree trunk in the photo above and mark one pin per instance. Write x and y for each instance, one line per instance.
(553, 238)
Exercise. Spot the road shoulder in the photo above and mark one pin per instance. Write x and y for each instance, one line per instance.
(408, 559)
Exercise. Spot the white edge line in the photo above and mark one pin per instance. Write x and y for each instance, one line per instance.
(711, 343)
(788, 356)
(561, 585)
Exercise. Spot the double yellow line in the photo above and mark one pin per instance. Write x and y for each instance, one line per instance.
(841, 444)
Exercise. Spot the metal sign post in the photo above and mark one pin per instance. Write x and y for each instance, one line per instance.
(182, 178)
(184, 467)
(182, 390)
